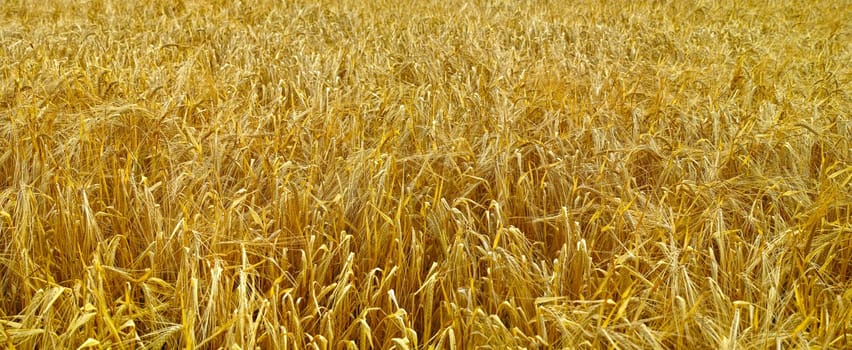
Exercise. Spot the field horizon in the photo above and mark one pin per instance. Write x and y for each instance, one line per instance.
(425, 174)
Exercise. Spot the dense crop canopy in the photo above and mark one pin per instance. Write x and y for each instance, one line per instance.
(425, 174)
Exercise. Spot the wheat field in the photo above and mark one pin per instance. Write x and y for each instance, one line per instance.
(425, 174)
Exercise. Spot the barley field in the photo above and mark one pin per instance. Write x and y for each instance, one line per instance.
(455, 174)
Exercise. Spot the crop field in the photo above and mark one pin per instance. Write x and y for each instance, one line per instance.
(454, 174)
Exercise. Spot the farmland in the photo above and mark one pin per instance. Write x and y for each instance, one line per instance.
(425, 174)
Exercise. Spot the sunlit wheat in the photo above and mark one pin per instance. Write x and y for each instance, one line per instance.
(425, 174)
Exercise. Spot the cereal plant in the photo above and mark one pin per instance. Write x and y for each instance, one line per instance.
(206, 174)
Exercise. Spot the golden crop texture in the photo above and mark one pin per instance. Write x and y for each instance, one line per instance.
(455, 174)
